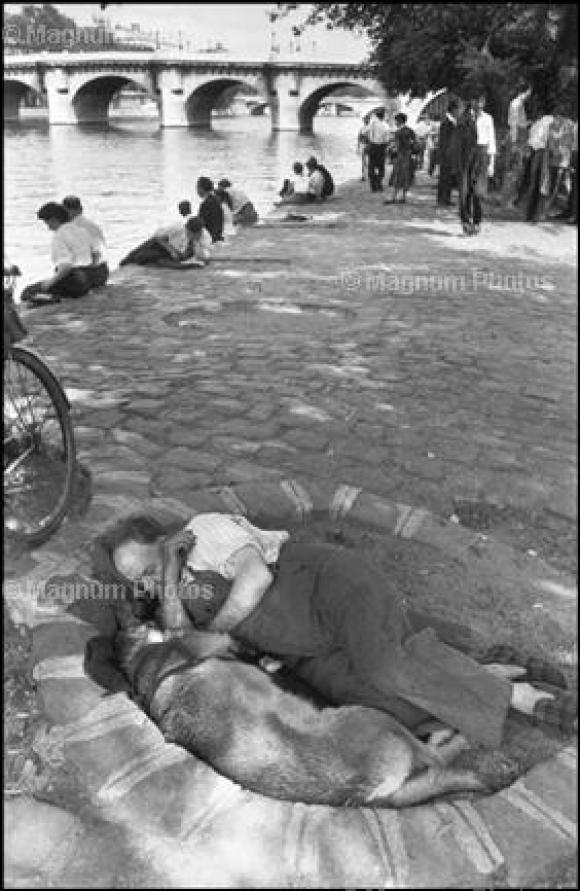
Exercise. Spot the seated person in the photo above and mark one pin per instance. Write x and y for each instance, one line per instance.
(243, 211)
(336, 622)
(71, 255)
(210, 210)
(295, 189)
(320, 182)
(173, 245)
(100, 270)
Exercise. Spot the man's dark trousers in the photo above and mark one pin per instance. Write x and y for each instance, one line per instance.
(377, 153)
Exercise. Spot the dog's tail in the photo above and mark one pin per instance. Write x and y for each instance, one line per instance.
(432, 783)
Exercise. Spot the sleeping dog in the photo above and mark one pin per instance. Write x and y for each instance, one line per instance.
(232, 715)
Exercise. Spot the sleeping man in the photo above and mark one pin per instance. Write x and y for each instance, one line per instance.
(330, 617)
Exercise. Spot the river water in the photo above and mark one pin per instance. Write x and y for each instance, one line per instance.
(130, 175)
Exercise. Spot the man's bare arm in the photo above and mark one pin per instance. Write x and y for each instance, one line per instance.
(251, 581)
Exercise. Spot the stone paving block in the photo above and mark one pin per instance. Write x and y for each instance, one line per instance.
(64, 700)
(60, 639)
(533, 838)
(34, 832)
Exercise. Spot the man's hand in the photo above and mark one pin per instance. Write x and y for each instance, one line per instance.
(180, 544)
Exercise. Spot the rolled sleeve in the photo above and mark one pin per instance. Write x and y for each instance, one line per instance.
(221, 537)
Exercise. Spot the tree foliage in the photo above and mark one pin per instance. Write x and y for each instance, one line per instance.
(465, 47)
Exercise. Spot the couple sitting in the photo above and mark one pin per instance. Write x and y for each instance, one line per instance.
(77, 253)
(170, 246)
(302, 188)
(336, 623)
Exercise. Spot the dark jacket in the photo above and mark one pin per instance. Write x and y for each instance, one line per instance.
(212, 216)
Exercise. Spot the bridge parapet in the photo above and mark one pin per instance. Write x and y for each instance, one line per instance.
(79, 86)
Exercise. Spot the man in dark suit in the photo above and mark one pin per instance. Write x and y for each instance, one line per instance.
(447, 178)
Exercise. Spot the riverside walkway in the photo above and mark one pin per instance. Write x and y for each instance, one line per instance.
(371, 349)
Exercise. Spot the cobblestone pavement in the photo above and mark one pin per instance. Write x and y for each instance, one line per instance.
(308, 363)
(331, 357)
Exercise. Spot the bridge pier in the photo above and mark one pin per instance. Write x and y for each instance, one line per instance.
(60, 104)
(284, 100)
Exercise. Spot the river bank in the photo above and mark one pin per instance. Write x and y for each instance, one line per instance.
(371, 366)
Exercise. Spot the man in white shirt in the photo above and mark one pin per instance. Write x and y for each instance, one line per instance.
(71, 256)
(100, 271)
(243, 211)
(378, 134)
(173, 245)
(516, 143)
(485, 139)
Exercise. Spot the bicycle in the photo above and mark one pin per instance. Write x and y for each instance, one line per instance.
(39, 444)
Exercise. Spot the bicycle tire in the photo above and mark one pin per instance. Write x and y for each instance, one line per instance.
(52, 520)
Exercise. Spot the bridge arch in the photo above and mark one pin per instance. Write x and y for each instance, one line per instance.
(203, 97)
(92, 98)
(14, 92)
(309, 106)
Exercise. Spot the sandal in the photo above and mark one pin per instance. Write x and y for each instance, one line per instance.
(538, 671)
(560, 712)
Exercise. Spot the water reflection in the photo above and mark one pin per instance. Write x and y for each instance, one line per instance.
(131, 174)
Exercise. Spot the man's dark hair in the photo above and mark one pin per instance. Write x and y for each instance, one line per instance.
(224, 184)
(380, 113)
(298, 167)
(312, 162)
(205, 183)
(400, 118)
(53, 211)
(185, 208)
(194, 224)
(138, 527)
(72, 202)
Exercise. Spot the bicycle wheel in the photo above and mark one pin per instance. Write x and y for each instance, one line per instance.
(39, 448)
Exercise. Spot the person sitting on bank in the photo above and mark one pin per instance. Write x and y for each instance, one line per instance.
(243, 211)
(71, 256)
(100, 269)
(336, 622)
(172, 246)
(295, 189)
(320, 182)
(210, 210)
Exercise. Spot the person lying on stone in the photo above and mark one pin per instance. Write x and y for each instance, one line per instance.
(71, 256)
(333, 619)
(171, 246)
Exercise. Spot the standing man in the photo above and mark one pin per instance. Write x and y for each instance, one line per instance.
(378, 135)
(486, 146)
(476, 152)
(100, 269)
(447, 179)
(517, 138)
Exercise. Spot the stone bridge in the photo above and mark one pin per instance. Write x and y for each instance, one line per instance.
(79, 86)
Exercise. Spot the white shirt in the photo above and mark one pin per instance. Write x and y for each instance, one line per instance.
(315, 183)
(238, 198)
(378, 131)
(176, 236)
(517, 114)
(486, 132)
(299, 184)
(538, 135)
(221, 537)
(96, 236)
(71, 244)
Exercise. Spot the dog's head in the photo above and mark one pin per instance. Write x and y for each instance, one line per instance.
(130, 642)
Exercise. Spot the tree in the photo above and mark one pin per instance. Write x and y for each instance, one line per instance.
(466, 47)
